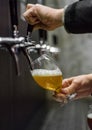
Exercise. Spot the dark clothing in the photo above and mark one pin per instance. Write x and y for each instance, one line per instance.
(78, 17)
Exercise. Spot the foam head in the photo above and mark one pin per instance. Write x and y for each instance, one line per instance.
(43, 72)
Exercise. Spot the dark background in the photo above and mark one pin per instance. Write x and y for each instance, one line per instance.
(20, 97)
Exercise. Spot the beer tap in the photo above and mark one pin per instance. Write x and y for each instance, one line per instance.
(13, 43)
(29, 33)
(17, 44)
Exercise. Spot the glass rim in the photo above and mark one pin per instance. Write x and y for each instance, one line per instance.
(41, 57)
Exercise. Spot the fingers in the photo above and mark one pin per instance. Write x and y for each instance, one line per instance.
(71, 85)
(29, 14)
(67, 86)
(30, 17)
(79, 85)
(70, 89)
(66, 82)
(75, 88)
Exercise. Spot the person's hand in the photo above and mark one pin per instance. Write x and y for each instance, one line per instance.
(43, 17)
(81, 85)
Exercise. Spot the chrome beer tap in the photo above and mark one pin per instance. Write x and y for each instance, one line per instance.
(12, 44)
(17, 44)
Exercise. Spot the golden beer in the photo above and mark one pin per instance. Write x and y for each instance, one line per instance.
(48, 79)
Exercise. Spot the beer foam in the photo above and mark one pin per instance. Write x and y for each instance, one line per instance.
(89, 115)
(43, 72)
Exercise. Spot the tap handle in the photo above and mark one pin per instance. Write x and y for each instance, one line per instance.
(30, 28)
(42, 35)
(29, 32)
(13, 13)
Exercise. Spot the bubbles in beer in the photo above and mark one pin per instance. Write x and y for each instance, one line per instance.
(48, 79)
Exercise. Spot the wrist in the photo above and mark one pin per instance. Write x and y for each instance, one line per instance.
(90, 78)
(61, 16)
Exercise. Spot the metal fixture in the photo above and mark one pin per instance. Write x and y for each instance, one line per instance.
(15, 44)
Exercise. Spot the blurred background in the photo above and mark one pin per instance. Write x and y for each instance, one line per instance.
(23, 104)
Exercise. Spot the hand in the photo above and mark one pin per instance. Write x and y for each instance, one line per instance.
(82, 85)
(43, 17)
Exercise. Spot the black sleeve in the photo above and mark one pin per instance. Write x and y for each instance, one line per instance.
(78, 17)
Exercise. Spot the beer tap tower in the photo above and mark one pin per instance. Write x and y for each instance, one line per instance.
(15, 44)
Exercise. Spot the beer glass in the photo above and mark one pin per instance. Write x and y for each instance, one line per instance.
(89, 117)
(47, 74)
